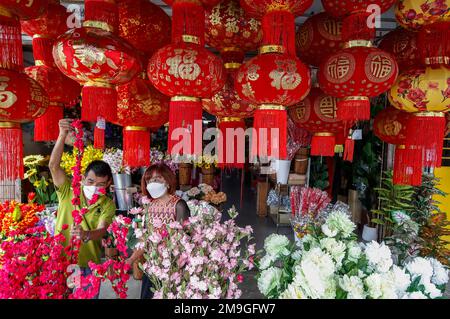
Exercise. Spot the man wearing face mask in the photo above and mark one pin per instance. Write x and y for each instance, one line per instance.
(96, 180)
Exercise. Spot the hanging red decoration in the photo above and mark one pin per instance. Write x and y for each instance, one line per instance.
(413, 14)
(402, 44)
(317, 114)
(187, 72)
(26, 9)
(319, 36)
(61, 90)
(391, 126)
(139, 107)
(11, 55)
(23, 100)
(98, 59)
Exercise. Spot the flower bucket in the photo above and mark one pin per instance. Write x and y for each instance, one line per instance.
(283, 168)
(369, 233)
(301, 161)
(208, 175)
(184, 173)
(123, 198)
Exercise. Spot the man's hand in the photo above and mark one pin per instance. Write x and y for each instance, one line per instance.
(76, 232)
(65, 126)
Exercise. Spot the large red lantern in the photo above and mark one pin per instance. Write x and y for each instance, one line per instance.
(319, 36)
(317, 114)
(11, 55)
(61, 90)
(391, 126)
(26, 9)
(402, 44)
(187, 72)
(355, 74)
(96, 58)
(144, 25)
(23, 100)
(139, 107)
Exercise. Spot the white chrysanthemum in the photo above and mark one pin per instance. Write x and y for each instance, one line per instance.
(266, 262)
(292, 292)
(310, 240)
(401, 279)
(297, 255)
(338, 222)
(269, 279)
(379, 256)
(415, 295)
(432, 291)
(380, 286)
(277, 245)
(354, 251)
(315, 275)
(335, 248)
(353, 286)
(440, 273)
(420, 266)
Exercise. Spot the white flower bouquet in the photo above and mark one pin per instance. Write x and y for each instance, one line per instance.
(114, 157)
(329, 263)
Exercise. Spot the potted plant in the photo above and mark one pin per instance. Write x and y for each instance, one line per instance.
(38, 175)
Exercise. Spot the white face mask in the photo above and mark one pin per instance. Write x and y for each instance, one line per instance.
(156, 190)
(89, 191)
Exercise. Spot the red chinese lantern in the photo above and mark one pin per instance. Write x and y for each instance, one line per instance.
(319, 36)
(23, 100)
(390, 125)
(139, 107)
(61, 90)
(98, 59)
(144, 25)
(355, 74)
(187, 72)
(11, 55)
(26, 9)
(317, 114)
(402, 44)
(276, 78)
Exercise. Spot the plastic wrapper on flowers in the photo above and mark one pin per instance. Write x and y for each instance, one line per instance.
(329, 263)
(273, 199)
(201, 258)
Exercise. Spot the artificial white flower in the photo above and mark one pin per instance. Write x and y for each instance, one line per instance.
(327, 231)
(422, 267)
(379, 256)
(266, 261)
(277, 245)
(380, 286)
(415, 295)
(297, 255)
(432, 291)
(354, 251)
(292, 292)
(353, 286)
(401, 280)
(310, 240)
(338, 222)
(269, 279)
(335, 248)
(440, 273)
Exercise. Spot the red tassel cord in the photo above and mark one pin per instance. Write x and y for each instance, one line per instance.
(136, 146)
(11, 152)
(279, 29)
(103, 11)
(185, 126)
(99, 101)
(42, 51)
(407, 166)
(427, 131)
(188, 19)
(270, 126)
(11, 56)
(349, 149)
(433, 42)
(46, 127)
(231, 154)
(323, 144)
(99, 134)
(358, 26)
(354, 108)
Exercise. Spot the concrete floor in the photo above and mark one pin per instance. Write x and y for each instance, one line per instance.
(247, 216)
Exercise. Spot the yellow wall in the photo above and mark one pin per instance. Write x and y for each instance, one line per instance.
(444, 174)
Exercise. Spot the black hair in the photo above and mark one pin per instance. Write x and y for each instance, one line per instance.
(100, 169)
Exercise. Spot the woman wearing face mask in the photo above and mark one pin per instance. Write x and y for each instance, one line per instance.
(159, 185)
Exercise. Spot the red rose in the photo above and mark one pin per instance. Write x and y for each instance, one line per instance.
(31, 197)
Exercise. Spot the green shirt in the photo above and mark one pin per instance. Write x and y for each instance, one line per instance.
(103, 210)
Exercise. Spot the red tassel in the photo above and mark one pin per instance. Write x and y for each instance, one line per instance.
(136, 146)
(356, 27)
(99, 101)
(349, 149)
(433, 42)
(228, 151)
(271, 133)
(427, 132)
(323, 144)
(188, 18)
(99, 134)
(46, 127)
(11, 152)
(185, 126)
(102, 11)
(279, 29)
(42, 51)
(354, 108)
(11, 56)
(407, 166)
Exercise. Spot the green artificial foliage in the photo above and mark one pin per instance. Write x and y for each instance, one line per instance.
(319, 173)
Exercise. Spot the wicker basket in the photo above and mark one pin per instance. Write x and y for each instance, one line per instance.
(184, 173)
(208, 175)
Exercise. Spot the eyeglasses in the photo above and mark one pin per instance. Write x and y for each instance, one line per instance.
(156, 179)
